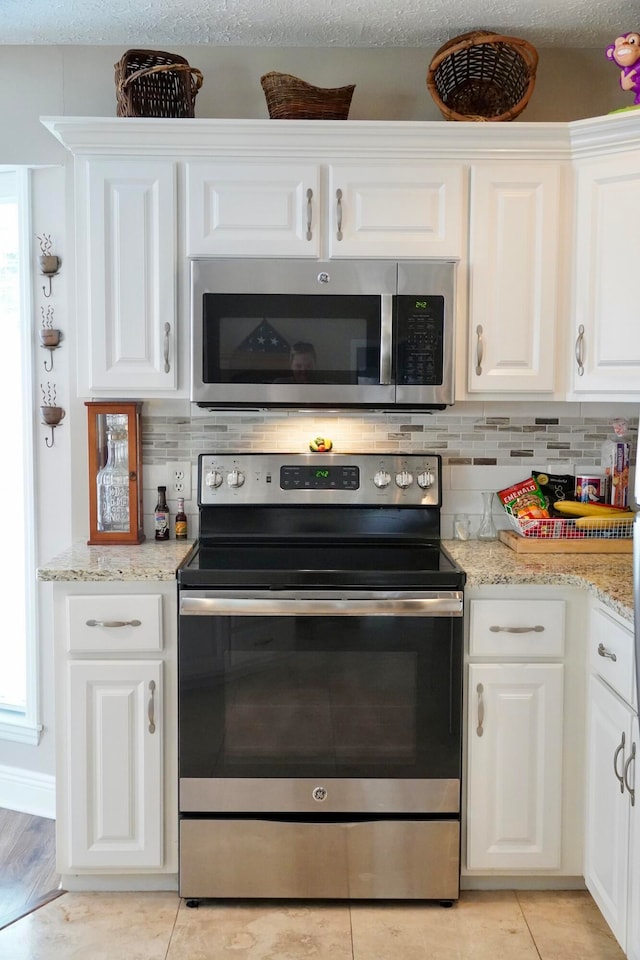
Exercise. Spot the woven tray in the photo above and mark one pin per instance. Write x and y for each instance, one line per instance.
(290, 98)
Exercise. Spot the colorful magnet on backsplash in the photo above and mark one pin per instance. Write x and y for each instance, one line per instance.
(320, 445)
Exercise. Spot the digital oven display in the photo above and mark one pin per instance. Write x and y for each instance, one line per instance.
(322, 477)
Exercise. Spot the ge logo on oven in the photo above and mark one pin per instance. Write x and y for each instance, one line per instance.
(319, 794)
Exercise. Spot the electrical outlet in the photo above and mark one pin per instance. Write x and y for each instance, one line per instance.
(179, 479)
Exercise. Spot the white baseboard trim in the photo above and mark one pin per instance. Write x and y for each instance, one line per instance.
(28, 792)
(120, 883)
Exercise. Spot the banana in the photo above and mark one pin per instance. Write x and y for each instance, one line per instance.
(574, 508)
(621, 524)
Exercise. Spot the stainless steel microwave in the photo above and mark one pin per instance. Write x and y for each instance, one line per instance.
(308, 333)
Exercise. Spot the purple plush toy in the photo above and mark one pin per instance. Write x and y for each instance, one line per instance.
(625, 51)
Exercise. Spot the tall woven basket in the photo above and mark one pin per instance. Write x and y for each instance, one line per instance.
(289, 98)
(152, 83)
(483, 76)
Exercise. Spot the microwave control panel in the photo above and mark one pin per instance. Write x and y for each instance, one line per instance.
(319, 478)
(420, 340)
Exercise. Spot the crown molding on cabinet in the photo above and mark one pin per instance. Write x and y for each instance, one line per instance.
(106, 136)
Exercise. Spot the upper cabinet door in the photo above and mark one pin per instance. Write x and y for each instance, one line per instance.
(514, 277)
(396, 209)
(126, 250)
(253, 209)
(606, 356)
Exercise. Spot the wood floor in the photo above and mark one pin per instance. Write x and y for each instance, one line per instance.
(28, 875)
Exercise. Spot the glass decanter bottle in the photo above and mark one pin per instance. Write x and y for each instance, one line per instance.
(113, 481)
(487, 529)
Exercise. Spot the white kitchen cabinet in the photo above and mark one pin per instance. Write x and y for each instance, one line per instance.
(126, 238)
(263, 208)
(515, 277)
(606, 332)
(633, 925)
(612, 819)
(115, 763)
(514, 774)
(116, 715)
(524, 733)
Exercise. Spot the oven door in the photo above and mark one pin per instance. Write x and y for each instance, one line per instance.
(292, 333)
(320, 702)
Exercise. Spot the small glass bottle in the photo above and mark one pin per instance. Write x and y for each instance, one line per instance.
(162, 515)
(487, 529)
(181, 521)
(113, 485)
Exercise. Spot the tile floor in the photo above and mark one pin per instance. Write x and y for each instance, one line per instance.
(500, 925)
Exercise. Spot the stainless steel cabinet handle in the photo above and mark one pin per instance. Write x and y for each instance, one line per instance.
(580, 350)
(479, 350)
(114, 623)
(339, 214)
(480, 691)
(167, 331)
(151, 706)
(603, 652)
(619, 749)
(632, 792)
(537, 629)
(309, 213)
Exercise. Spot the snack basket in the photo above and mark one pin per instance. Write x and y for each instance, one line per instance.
(563, 528)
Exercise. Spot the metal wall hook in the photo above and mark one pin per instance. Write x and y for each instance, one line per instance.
(44, 289)
(49, 368)
(52, 427)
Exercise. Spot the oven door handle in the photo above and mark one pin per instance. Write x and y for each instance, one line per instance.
(326, 603)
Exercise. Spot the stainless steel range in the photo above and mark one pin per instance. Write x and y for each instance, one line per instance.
(320, 681)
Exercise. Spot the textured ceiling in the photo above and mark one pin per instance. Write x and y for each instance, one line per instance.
(310, 23)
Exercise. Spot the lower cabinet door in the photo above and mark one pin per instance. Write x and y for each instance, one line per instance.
(608, 808)
(115, 764)
(633, 783)
(514, 768)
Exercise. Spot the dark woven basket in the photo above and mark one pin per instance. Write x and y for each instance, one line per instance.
(152, 83)
(289, 98)
(482, 76)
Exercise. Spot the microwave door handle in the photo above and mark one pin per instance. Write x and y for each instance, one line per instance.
(386, 337)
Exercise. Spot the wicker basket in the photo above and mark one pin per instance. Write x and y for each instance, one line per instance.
(152, 83)
(289, 98)
(482, 76)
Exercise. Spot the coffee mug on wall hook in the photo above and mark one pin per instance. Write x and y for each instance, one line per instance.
(49, 262)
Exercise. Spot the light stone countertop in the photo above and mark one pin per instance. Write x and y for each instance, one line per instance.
(151, 560)
(607, 576)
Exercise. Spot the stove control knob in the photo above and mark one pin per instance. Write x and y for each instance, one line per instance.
(404, 479)
(382, 479)
(425, 479)
(213, 479)
(235, 478)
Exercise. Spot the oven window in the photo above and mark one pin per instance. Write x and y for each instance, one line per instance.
(285, 338)
(372, 697)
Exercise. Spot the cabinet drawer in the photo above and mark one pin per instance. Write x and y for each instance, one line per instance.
(114, 624)
(608, 640)
(516, 628)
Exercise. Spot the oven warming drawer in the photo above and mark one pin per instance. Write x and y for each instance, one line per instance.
(371, 859)
(319, 796)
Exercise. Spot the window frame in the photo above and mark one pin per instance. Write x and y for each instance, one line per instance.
(24, 726)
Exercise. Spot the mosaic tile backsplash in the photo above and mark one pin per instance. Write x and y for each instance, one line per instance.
(459, 439)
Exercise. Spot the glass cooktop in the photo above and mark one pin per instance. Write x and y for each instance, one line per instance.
(382, 564)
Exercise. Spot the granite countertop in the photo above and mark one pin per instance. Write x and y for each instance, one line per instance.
(607, 576)
(150, 560)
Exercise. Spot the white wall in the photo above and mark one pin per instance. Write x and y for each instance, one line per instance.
(40, 81)
(390, 85)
